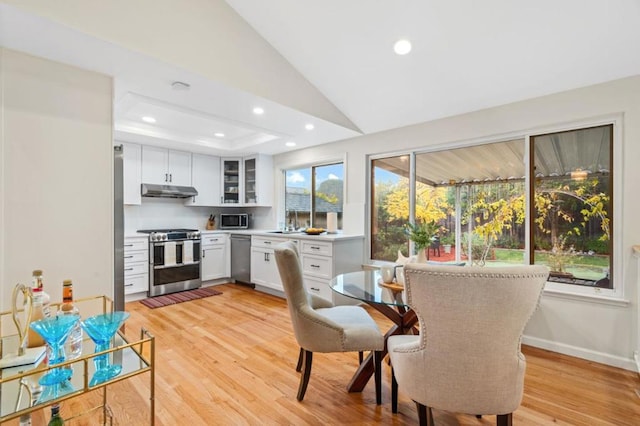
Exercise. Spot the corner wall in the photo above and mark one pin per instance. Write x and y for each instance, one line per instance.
(595, 329)
(56, 185)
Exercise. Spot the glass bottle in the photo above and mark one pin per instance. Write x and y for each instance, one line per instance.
(73, 345)
(55, 420)
(34, 339)
(38, 282)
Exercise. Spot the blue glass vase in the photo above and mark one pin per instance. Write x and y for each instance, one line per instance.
(101, 329)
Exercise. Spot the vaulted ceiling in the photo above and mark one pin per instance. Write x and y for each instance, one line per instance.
(329, 63)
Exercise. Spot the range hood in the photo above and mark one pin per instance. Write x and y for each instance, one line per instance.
(167, 191)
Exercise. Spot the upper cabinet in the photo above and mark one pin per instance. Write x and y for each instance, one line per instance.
(258, 180)
(132, 173)
(231, 183)
(205, 178)
(166, 167)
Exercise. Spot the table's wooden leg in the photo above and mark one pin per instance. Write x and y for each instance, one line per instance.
(404, 323)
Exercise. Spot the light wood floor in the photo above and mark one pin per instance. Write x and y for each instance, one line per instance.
(230, 360)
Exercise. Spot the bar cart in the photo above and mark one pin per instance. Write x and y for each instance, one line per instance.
(20, 393)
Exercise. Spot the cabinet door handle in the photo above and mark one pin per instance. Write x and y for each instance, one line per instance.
(204, 252)
(166, 177)
(129, 285)
(315, 288)
(128, 257)
(128, 269)
(170, 178)
(314, 248)
(268, 242)
(315, 266)
(128, 245)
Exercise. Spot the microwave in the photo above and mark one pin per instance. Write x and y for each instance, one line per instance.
(234, 221)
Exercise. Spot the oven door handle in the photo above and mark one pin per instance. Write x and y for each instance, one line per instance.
(177, 265)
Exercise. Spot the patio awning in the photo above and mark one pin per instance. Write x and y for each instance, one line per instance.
(556, 154)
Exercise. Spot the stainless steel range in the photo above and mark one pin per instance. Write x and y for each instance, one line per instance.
(174, 260)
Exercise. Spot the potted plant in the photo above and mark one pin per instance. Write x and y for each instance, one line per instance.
(447, 241)
(422, 235)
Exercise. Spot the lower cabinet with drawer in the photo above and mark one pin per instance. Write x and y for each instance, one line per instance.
(264, 270)
(323, 260)
(215, 262)
(136, 265)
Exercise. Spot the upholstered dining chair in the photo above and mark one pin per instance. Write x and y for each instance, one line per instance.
(467, 356)
(319, 326)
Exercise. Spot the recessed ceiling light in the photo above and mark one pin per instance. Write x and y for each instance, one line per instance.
(219, 135)
(258, 111)
(402, 47)
(148, 119)
(290, 144)
(309, 126)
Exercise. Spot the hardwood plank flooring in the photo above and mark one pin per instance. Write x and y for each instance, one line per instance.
(230, 360)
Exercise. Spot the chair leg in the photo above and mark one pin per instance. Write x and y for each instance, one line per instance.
(360, 357)
(394, 392)
(504, 419)
(304, 378)
(422, 414)
(377, 360)
(300, 358)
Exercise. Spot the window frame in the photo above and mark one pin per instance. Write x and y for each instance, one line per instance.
(323, 161)
(614, 295)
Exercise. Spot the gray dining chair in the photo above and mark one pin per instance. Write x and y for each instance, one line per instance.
(466, 358)
(319, 326)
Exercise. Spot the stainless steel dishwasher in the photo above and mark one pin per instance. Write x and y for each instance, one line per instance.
(241, 258)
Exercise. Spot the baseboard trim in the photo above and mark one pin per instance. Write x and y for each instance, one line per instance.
(588, 354)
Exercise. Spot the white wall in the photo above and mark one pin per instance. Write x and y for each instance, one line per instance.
(162, 213)
(56, 164)
(593, 329)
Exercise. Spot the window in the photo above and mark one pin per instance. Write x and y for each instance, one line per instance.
(311, 193)
(390, 211)
(572, 193)
(473, 201)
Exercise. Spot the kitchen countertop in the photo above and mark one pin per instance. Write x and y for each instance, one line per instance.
(268, 233)
(298, 235)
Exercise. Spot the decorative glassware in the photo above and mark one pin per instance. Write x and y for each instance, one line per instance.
(101, 329)
(54, 331)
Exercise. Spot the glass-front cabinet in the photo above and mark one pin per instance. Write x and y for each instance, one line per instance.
(258, 180)
(231, 183)
(250, 180)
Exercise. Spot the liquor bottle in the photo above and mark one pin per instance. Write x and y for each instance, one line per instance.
(38, 282)
(55, 420)
(73, 345)
(34, 339)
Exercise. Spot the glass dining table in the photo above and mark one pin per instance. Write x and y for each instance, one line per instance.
(388, 299)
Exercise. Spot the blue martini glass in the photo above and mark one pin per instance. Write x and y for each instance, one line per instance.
(101, 329)
(54, 331)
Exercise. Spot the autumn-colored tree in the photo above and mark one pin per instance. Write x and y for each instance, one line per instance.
(431, 202)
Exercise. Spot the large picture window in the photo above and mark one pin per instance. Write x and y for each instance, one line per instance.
(479, 208)
(311, 193)
(571, 209)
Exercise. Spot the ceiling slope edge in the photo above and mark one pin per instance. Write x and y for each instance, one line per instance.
(206, 37)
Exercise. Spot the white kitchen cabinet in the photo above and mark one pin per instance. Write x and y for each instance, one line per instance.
(264, 270)
(166, 167)
(231, 181)
(215, 262)
(323, 260)
(258, 180)
(136, 265)
(131, 173)
(205, 178)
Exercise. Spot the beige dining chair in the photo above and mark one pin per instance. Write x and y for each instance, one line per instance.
(467, 357)
(319, 326)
